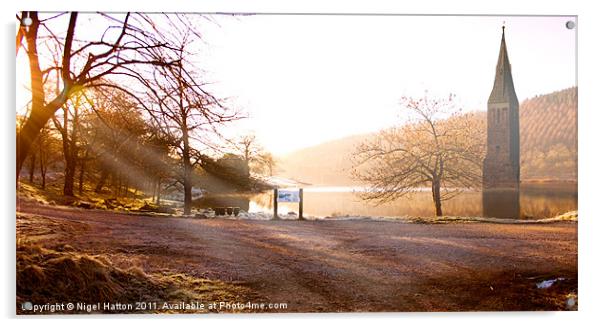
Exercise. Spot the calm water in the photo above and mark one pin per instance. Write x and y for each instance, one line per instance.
(536, 201)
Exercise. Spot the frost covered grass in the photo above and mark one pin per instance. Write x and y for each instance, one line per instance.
(566, 217)
(64, 275)
(88, 199)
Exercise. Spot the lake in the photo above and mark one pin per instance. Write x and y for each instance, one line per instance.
(537, 200)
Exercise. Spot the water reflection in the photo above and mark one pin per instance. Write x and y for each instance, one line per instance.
(501, 203)
(534, 201)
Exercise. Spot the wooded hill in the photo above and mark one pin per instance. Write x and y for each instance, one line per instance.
(548, 132)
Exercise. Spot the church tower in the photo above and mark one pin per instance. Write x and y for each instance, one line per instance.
(501, 168)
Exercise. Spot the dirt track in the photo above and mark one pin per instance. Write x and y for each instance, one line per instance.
(318, 266)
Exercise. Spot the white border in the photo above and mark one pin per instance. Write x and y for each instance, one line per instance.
(589, 72)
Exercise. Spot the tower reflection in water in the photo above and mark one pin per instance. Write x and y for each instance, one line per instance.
(501, 203)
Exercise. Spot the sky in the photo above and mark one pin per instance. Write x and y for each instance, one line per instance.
(306, 79)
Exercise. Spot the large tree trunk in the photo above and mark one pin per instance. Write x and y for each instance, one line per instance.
(69, 149)
(40, 115)
(69, 177)
(436, 190)
(70, 167)
(43, 169)
(185, 154)
(32, 166)
(158, 191)
(40, 111)
(187, 190)
(44, 180)
(187, 177)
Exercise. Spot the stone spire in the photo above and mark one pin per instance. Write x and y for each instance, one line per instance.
(503, 86)
(501, 167)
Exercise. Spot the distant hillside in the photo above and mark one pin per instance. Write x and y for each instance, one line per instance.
(549, 136)
(548, 125)
(324, 164)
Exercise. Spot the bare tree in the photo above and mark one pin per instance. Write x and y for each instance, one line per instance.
(440, 148)
(266, 163)
(187, 114)
(114, 139)
(72, 111)
(254, 155)
(48, 151)
(249, 148)
(158, 162)
(120, 55)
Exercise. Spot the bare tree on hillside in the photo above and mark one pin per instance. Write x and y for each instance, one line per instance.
(440, 149)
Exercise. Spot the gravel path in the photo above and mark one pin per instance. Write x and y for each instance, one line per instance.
(318, 266)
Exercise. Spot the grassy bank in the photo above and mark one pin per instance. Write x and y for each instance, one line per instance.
(66, 275)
